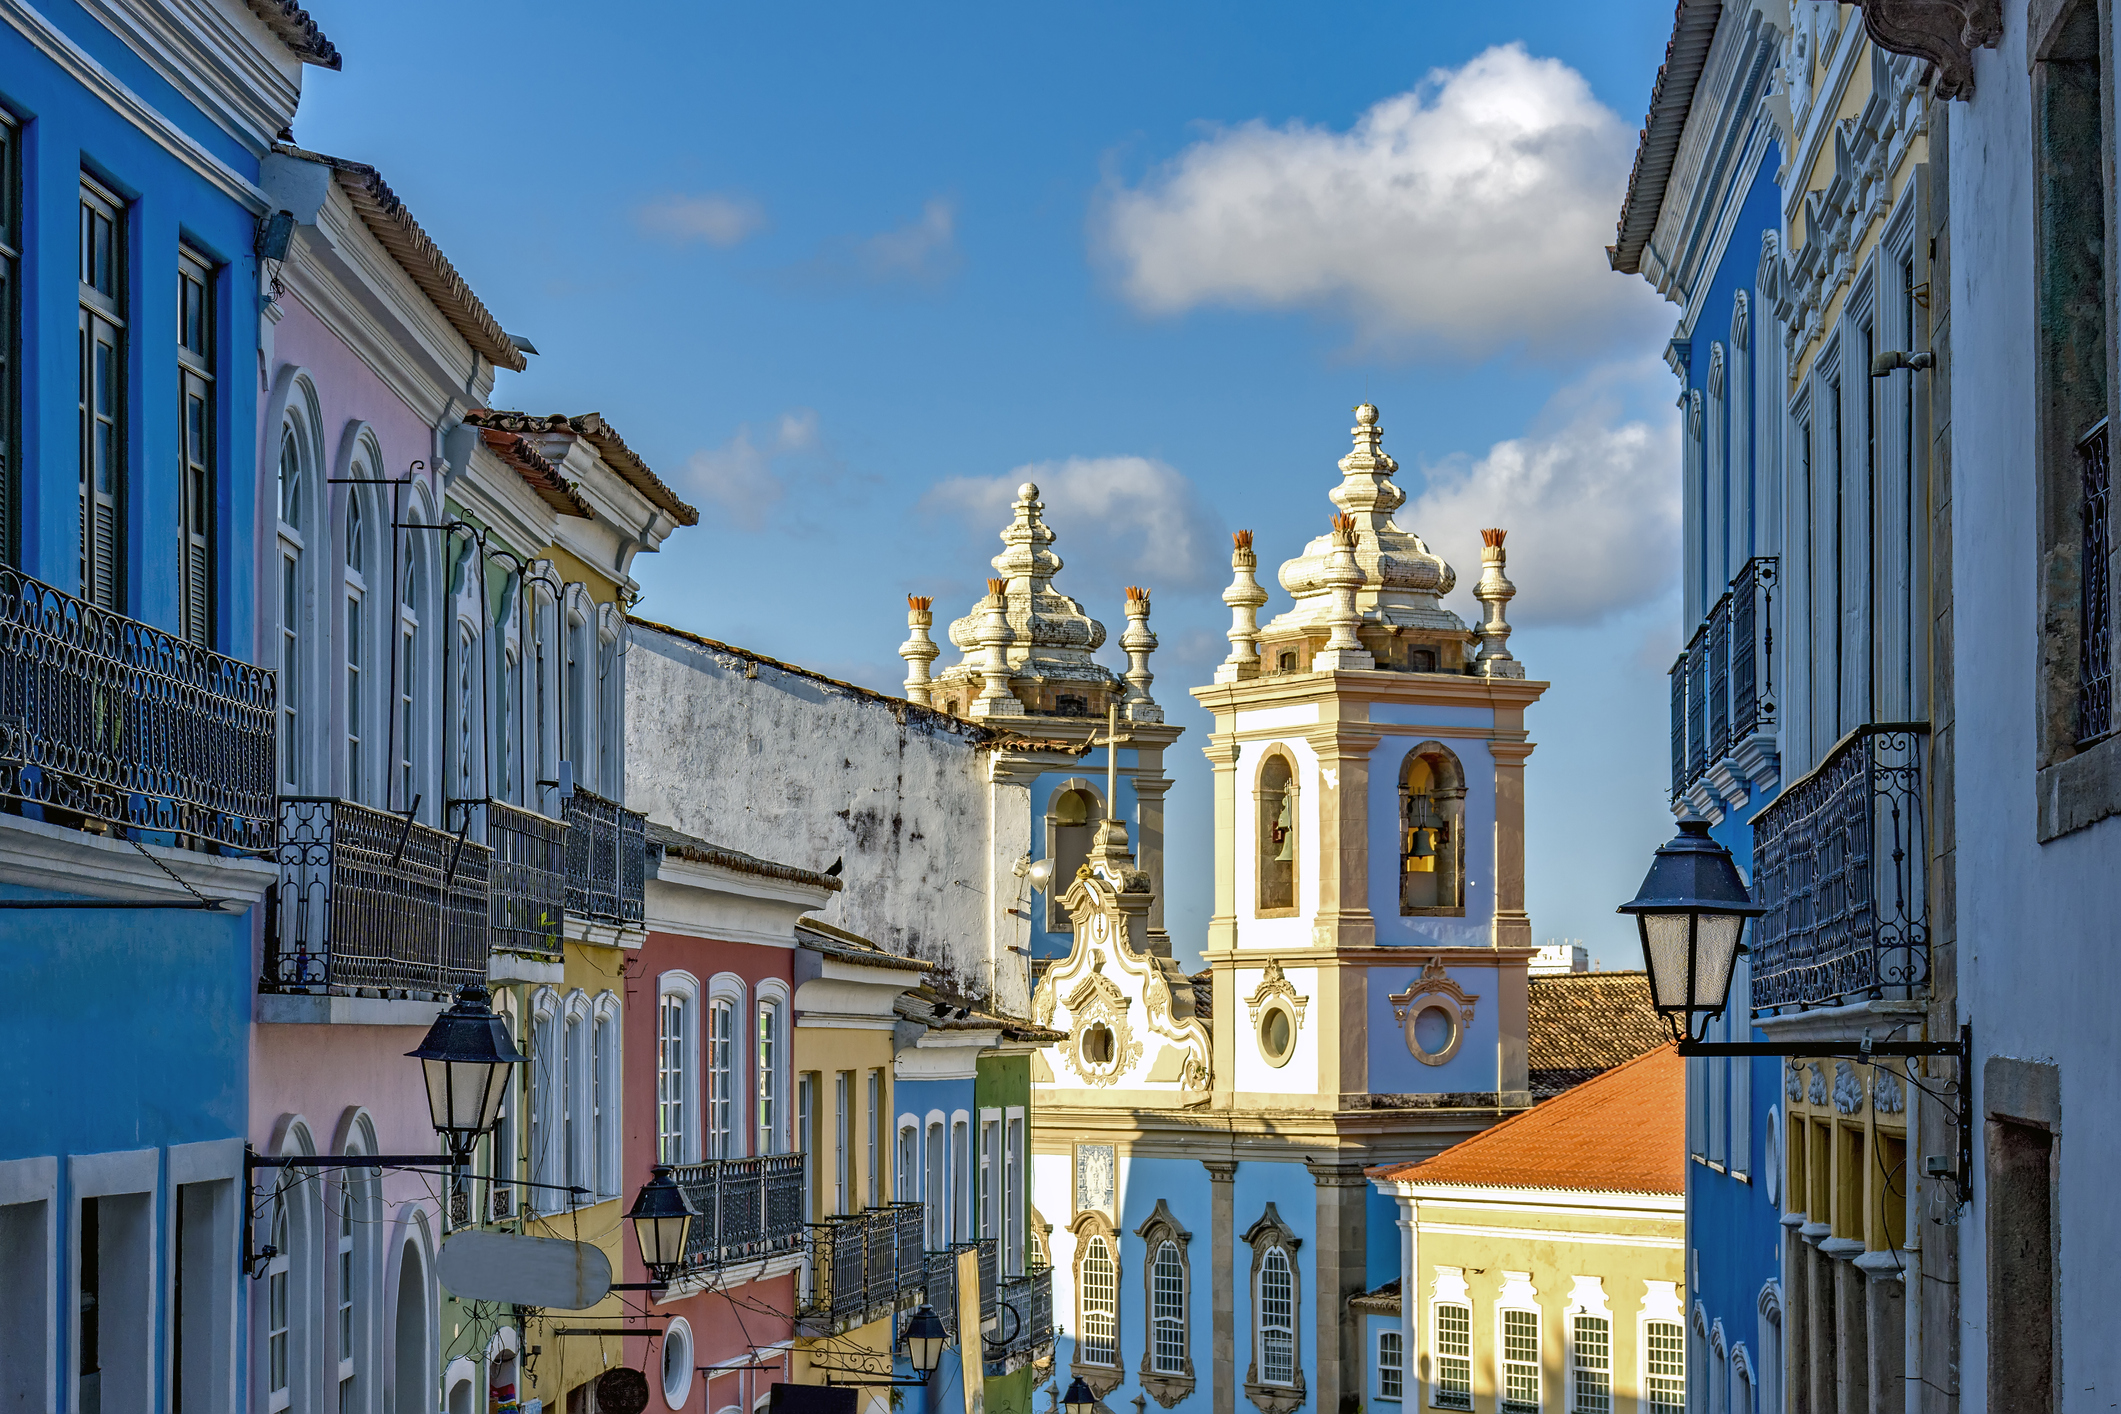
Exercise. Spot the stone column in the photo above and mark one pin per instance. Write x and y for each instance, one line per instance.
(1796, 1317)
(1850, 1375)
(1339, 1271)
(1885, 1325)
(1819, 1298)
(1513, 926)
(1222, 1219)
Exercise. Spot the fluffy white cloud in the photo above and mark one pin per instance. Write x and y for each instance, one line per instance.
(744, 476)
(1590, 499)
(712, 217)
(922, 252)
(1470, 212)
(1118, 521)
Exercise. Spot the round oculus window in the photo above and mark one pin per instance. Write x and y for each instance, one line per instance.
(1277, 1034)
(677, 1362)
(1434, 1029)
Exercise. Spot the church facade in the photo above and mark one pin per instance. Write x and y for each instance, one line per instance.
(1202, 1141)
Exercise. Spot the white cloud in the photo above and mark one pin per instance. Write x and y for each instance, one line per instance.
(921, 252)
(1590, 499)
(744, 476)
(712, 217)
(1470, 212)
(1117, 521)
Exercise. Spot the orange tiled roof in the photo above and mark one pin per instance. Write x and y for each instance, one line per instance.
(1584, 1023)
(1620, 1132)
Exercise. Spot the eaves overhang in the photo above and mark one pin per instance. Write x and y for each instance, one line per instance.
(1671, 100)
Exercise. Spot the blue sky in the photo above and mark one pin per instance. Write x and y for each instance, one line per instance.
(842, 273)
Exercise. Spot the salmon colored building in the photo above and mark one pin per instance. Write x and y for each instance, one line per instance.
(1543, 1261)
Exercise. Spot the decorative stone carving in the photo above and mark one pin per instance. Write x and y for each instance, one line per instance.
(1792, 1081)
(1160, 1227)
(1244, 596)
(1263, 1237)
(1273, 983)
(1139, 643)
(1495, 591)
(1343, 577)
(1886, 1094)
(1848, 1089)
(1433, 990)
(1817, 1092)
(1945, 32)
(1098, 1005)
(919, 649)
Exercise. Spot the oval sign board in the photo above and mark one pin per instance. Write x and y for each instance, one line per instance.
(623, 1390)
(530, 1271)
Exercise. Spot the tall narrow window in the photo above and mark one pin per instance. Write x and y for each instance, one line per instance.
(961, 1182)
(936, 1191)
(507, 719)
(10, 339)
(468, 708)
(990, 1165)
(356, 645)
(1013, 1197)
(603, 1103)
(876, 1120)
(1520, 1362)
(806, 1139)
(674, 1041)
(1591, 1365)
(1277, 1319)
(408, 677)
(574, 699)
(102, 396)
(346, 1289)
(769, 1060)
(292, 511)
(1098, 1294)
(1454, 1356)
(277, 1322)
(195, 432)
(1390, 1364)
(721, 1079)
(843, 1142)
(1167, 1286)
(1432, 794)
(570, 1128)
(905, 1187)
(1277, 834)
(1664, 1365)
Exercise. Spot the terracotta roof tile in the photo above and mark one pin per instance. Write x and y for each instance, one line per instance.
(1620, 1132)
(1671, 99)
(698, 851)
(544, 478)
(600, 434)
(1581, 1024)
(297, 31)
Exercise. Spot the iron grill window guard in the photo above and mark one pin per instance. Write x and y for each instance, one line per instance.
(1720, 679)
(1697, 704)
(109, 720)
(1030, 1295)
(1753, 648)
(606, 844)
(526, 906)
(942, 1280)
(747, 1209)
(2095, 668)
(1839, 860)
(1679, 771)
(369, 901)
(863, 1269)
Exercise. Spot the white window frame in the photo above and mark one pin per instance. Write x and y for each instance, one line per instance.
(961, 1177)
(294, 593)
(682, 989)
(1656, 1313)
(1587, 1301)
(1504, 1364)
(770, 1128)
(807, 1085)
(1015, 1129)
(724, 1028)
(607, 1094)
(1108, 1312)
(1260, 1324)
(1450, 1292)
(874, 1117)
(843, 1141)
(546, 1159)
(935, 1178)
(579, 1138)
(358, 527)
(906, 1187)
(1175, 1364)
(1396, 1367)
(989, 1220)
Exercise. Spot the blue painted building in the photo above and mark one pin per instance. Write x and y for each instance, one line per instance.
(1700, 223)
(136, 736)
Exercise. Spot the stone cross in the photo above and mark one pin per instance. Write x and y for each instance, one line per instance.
(1110, 741)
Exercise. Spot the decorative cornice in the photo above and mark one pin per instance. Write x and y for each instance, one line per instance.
(1945, 32)
(1671, 100)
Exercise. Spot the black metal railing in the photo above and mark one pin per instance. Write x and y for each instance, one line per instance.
(527, 905)
(1697, 704)
(1679, 772)
(747, 1208)
(1840, 861)
(1026, 1323)
(1719, 687)
(605, 843)
(863, 1268)
(1753, 648)
(2095, 652)
(942, 1281)
(371, 900)
(111, 720)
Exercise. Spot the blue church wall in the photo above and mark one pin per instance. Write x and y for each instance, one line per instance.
(1393, 1068)
(1295, 1198)
(1380, 1255)
(1476, 928)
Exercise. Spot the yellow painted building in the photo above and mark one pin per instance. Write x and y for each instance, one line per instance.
(1545, 1259)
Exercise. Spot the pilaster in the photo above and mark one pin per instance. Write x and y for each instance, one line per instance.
(1513, 926)
(1150, 786)
(1343, 746)
(1222, 1220)
(1341, 1192)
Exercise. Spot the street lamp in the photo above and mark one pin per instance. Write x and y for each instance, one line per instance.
(1078, 1399)
(466, 1056)
(662, 1220)
(1691, 909)
(925, 1339)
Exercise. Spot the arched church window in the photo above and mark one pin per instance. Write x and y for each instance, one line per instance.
(1277, 834)
(1070, 819)
(1432, 793)
(1275, 1382)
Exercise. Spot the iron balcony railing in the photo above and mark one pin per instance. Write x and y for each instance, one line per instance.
(942, 1281)
(110, 720)
(371, 901)
(864, 1266)
(1753, 648)
(1723, 685)
(1840, 861)
(1025, 1332)
(1719, 687)
(1697, 704)
(2095, 649)
(747, 1209)
(605, 846)
(1680, 778)
(526, 906)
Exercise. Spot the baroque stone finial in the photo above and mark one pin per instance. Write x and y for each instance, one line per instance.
(919, 650)
(1139, 643)
(995, 699)
(1244, 596)
(1494, 591)
(1343, 577)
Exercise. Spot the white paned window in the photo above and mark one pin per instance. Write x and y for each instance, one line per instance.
(906, 1185)
(345, 1276)
(1167, 1285)
(102, 397)
(1454, 1357)
(875, 1120)
(1013, 1196)
(195, 434)
(960, 1181)
(990, 1165)
(571, 1147)
(1390, 1365)
(843, 1142)
(1664, 1365)
(769, 1096)
(604, 1104)
(408, 687)
(1276, 1304)
(1098, 1293)
(936, 1192)
(278, 1324)
(721, 1078)
(805, 1139)
(356, 660)
(1520, 1362)
(1591, 1365)
(292, 509)
(674, 1084)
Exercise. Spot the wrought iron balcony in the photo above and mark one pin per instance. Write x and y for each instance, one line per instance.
(942, 1281)
(373, 902)
(1025, 1332)
(1723, 685)
(1753, 648)
(1719, 684)
(747, 1209)
(864, 1266)
(1840, 859)
(109, 720)
(526, 905)
(605, 843)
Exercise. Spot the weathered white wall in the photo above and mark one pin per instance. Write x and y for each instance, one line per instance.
(2036, 922)
(800, 770)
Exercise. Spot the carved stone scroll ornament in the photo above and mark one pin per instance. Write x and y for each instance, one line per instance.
(1273, 984)
(1433, 990)
(1945, 32)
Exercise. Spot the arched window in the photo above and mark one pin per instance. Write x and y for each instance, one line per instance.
(769, 1058)
(467, 695)
(1070, 821)
(1432, 794)
(1277, 834)
(722, 1134)
(1167, 1362)
(906, 1181)
(677, 1070)
(961, 1179)
(935, 1191)
(545, 1081)
(1097, 1299)
(279, 1315)
(343, 1274)
(574, 1065)
(293, 603)
(604, 1095)
(1277, 1319)
(355, 593)
(574, 685)
(508, 714)
(1168, 1291)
